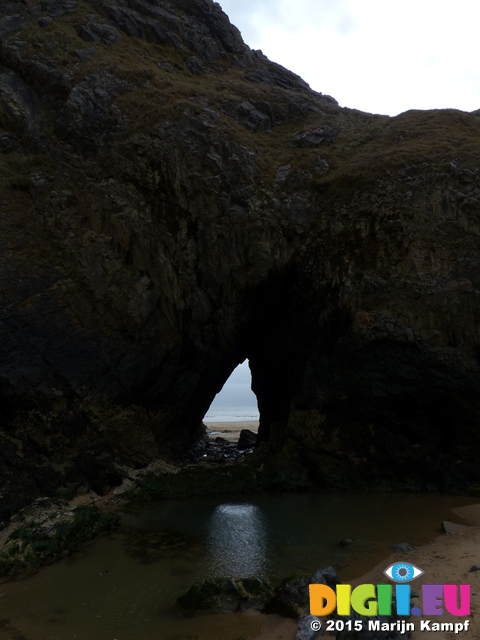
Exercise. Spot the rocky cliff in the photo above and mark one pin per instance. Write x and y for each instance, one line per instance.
(172, 203)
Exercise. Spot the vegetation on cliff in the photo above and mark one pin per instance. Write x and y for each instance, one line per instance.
(172, 203)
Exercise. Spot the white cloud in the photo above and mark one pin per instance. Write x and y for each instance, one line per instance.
(378, 56)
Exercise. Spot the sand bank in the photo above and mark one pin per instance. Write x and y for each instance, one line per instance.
(446, 560)
(230, 430)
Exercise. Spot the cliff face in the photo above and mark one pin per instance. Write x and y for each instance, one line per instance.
(173, 203)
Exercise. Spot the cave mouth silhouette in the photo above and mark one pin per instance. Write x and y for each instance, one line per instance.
(279, 329)
(234, 409)
(235, 402)
(255, 389)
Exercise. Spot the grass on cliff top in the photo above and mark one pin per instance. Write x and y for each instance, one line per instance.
(59, 39)
(369, 146)
(366, 147)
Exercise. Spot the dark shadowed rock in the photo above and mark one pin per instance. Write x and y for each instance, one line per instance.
(90, 112)
(158, 226)
(86, 53)
(195, 65)
(11, 24)
(305, 630)
(292, 598)
(451, 528)
(326, 576)
(275, 74)
(95, 31)
(227, 595)
(282, 176)
(8, 143)
(166, 66)
(48, 529)
(256, 118)
(404, 548)
(247, 439)
(325, 134)
(20, 111)
(344, 542)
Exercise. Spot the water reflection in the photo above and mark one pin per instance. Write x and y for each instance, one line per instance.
(236, 541)
(104, 592)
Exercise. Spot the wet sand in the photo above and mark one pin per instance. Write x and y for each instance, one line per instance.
(446, 560)
(230, 430)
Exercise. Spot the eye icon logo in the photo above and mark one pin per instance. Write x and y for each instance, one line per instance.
(403, 572)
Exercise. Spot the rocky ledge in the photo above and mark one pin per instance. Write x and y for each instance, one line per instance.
(290, 599)
(48, 530)
(172, 203)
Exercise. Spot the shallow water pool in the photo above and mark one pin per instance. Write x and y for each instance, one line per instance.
(125, 586)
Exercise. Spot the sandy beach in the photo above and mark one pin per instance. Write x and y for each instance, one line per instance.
(446, 560)
(230, 430)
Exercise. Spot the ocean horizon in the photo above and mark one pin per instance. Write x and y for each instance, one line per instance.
(235, 414)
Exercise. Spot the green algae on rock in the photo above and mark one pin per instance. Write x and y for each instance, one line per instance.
(49, 529)
(227, 595)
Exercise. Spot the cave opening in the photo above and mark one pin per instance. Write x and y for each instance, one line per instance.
(234, 409)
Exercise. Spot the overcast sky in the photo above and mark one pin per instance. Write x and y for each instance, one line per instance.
(380, 56)
(236, 395)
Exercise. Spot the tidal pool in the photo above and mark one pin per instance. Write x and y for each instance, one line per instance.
(125, 586)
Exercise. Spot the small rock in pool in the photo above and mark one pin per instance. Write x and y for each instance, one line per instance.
(344, 542)
(404, 548)
(471, 570)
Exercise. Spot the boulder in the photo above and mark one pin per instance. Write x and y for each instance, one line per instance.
(292, 598)
(308, 631)
(452, 527)
(49, 529)
(404, 547)
(227, 595)
(247, 439)
(315, 138)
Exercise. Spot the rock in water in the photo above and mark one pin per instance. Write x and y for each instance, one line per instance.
(292, 598)
(165, 214)
(227, 595)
